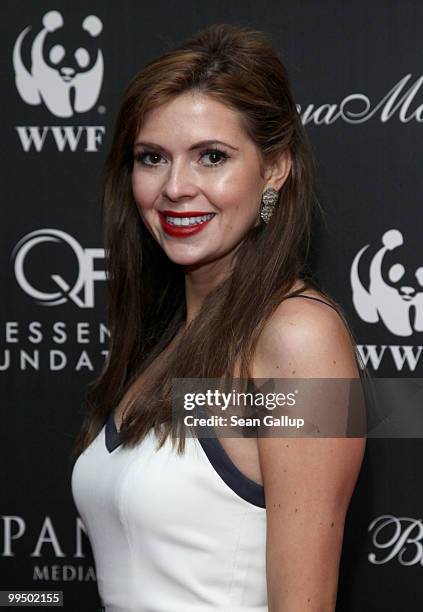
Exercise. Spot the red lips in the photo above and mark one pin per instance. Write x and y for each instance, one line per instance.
(182, 230)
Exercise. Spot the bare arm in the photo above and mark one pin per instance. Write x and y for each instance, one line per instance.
(308, 481)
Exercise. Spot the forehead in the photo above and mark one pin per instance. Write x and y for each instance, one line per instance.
(192, 115)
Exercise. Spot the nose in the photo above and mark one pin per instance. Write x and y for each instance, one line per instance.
(407, 290)
(67, 71)
(180, 182)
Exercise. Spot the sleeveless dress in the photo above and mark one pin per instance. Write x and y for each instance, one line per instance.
(169, 532)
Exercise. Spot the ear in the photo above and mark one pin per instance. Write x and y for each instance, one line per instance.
(277, 172)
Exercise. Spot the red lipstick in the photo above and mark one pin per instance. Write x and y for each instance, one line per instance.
(183, 230)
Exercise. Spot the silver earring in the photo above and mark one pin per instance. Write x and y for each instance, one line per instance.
(268, 203)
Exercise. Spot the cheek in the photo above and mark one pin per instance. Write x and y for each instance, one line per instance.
(240, 190)
(239, 200)
(143, 193)
(144, 202)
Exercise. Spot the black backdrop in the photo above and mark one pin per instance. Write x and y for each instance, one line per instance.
(356, 72)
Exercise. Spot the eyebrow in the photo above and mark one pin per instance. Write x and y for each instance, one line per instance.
(197, 145)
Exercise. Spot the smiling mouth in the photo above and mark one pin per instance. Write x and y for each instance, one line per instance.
(188, 221)
(184, 224)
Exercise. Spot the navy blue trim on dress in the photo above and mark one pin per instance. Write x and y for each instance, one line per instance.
(243, 486)
(112, 435)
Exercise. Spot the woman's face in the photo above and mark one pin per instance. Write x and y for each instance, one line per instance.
(193, 156)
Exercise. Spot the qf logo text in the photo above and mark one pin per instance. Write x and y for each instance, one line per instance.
(397, 537)
(59, 74)
(395, 292)
(84, 260)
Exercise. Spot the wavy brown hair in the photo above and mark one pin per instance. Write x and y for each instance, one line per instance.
(238, 67)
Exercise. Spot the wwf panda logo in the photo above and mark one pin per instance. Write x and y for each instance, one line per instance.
(67, 80)
(395, 292)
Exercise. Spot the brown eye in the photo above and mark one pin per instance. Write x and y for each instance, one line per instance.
(147, 155)
(216, 157)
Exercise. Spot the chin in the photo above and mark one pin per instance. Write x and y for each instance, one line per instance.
(184, 259)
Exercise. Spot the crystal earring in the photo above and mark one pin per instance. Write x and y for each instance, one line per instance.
(268, 203)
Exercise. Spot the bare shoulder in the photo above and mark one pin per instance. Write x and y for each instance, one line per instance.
(308, 481)
(305, 338)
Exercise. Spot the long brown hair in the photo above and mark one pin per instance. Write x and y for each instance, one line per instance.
(236, 66)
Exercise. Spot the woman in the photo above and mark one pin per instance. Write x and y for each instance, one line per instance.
(208, 195)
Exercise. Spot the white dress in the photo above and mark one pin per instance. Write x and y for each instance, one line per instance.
(169, 532)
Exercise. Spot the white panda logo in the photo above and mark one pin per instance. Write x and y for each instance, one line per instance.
(393, 295)
(67, 82)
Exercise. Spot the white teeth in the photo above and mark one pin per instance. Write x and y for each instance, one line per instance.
(188, 220)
